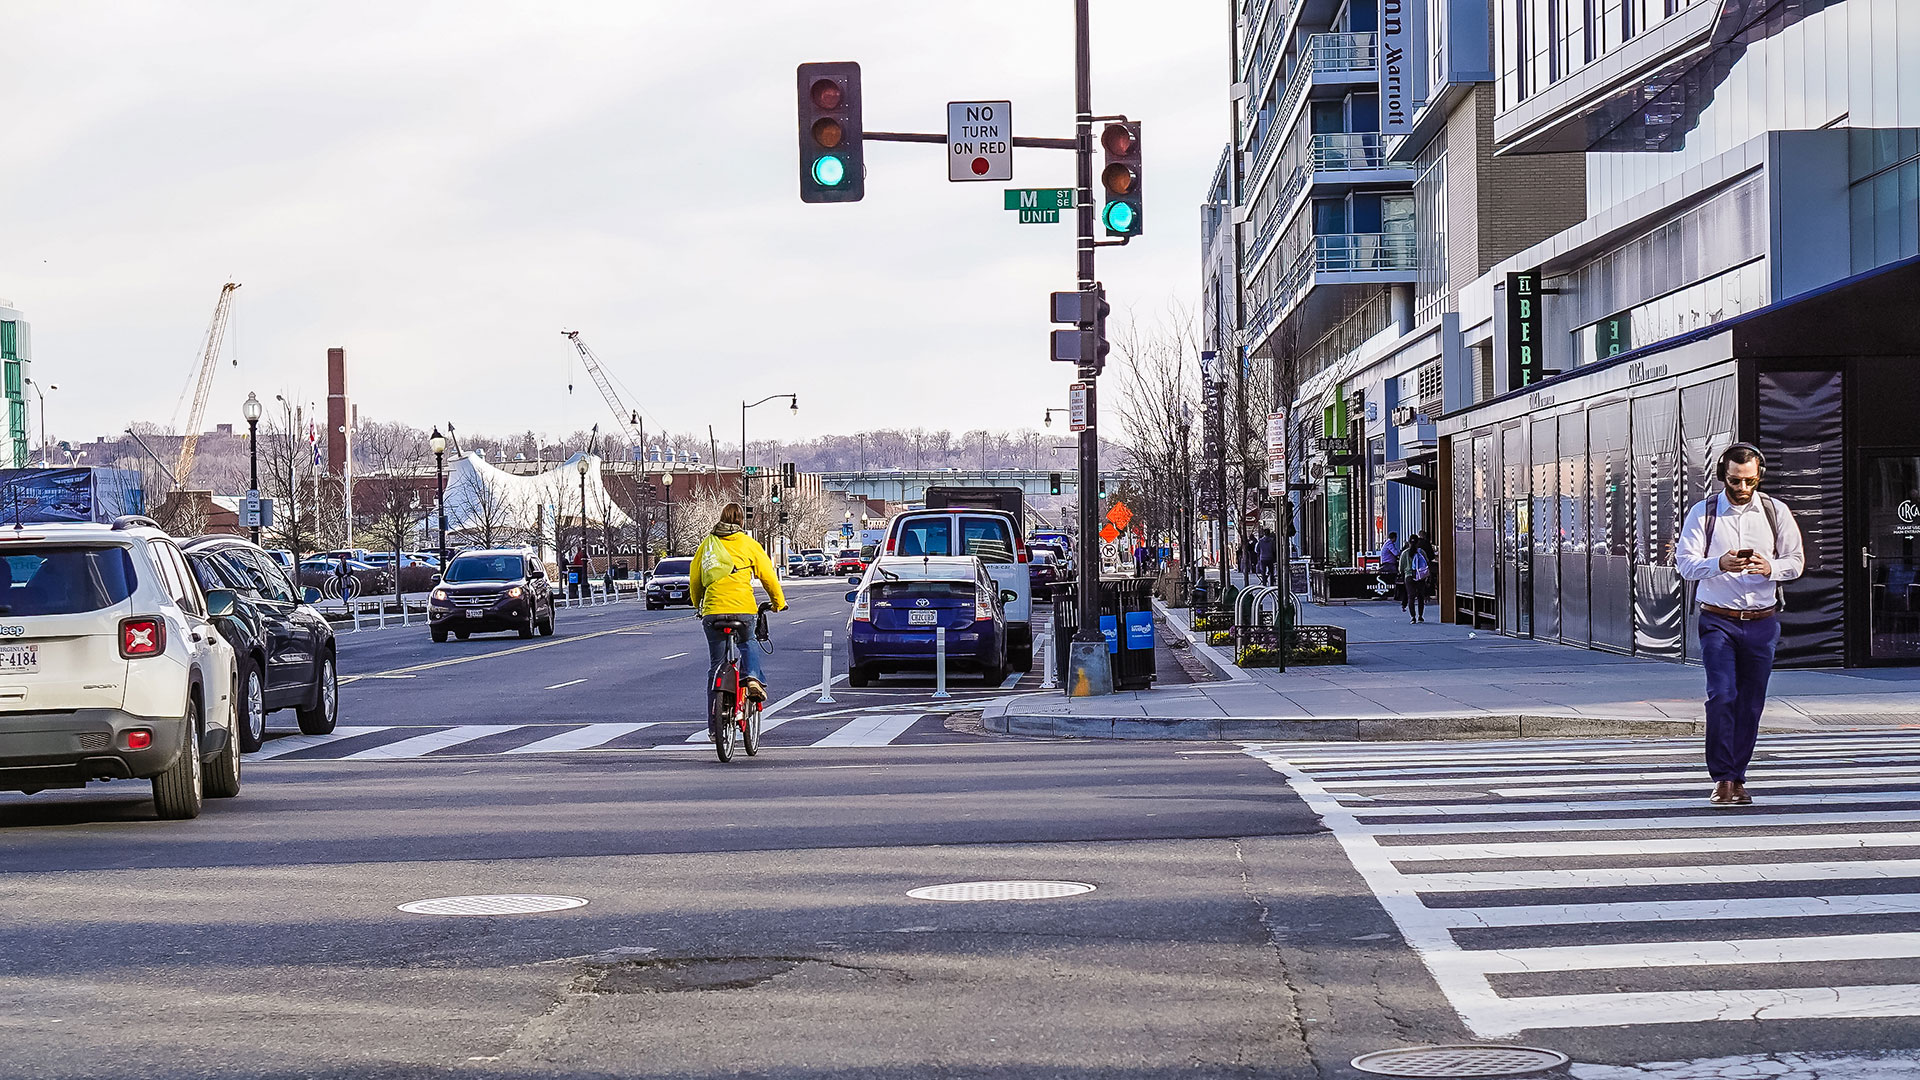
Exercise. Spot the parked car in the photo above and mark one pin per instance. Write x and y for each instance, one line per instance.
(490, 590)
(670, 584)
(796, 565)
(902, 601)
(1043, 571)
(1059, 542)
(283, 557)
(816, 563)
(284, 647)
(368, 579)
(113, 666)
(993, 537)
(850, 562)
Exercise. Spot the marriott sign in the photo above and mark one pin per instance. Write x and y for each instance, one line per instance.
(1402, 64)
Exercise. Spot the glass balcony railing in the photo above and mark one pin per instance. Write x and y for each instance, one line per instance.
(1328, 152)
(1326, 54)
(1337, 253)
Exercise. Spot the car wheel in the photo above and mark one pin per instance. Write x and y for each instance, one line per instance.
(223, 776)
(177, 793)
(250, 710)
(995, 674)
(526, 628)
(546, 624)
(858, 676)
(319, 718)
(438, 634)
(463, 634)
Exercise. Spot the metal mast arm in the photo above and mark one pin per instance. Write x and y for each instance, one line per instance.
(203, 383)
(627, 418)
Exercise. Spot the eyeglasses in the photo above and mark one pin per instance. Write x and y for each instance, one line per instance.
(1743, 481)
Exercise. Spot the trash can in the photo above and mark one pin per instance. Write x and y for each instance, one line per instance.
(1126, 620)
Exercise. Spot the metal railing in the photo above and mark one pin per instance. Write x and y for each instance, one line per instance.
(1351, 253)
(1326, 53)
(1334, 151)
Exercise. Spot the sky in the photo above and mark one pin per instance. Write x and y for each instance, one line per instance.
(441, 188)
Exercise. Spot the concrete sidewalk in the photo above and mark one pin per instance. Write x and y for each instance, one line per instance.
(1436, 680)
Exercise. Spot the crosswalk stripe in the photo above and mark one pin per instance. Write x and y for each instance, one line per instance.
(877, 730)
(294, 743)
(421, 745)
(1734, 939)
(578, 739)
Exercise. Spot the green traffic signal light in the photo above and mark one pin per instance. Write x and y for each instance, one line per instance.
(1119, 218)
(829, 171)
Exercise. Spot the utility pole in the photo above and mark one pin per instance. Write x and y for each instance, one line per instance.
(1089, 672)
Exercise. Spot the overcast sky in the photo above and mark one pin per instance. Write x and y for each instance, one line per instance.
(441, 188)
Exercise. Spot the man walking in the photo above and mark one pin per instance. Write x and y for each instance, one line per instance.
(1390, 565)
(1739, 545)
(1266, 554)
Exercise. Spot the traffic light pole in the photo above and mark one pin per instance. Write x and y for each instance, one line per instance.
(1089, 671)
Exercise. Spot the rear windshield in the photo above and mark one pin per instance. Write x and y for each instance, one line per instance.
(926, 536)
(987, 538)
(487, 568)
(850, 553)
(931, 590)
(672, 568)
(64, 581)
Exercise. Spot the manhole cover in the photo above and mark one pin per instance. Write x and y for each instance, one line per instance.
(1001, 890)
(1453, 1062)
(1426, 796)
(508, 904)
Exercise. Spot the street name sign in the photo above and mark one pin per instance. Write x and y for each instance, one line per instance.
(979, 140)
(1039, 217)
(1040, 198)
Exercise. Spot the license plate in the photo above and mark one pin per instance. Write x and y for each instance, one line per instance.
(19, 659)
(922, 618)
(467, 613)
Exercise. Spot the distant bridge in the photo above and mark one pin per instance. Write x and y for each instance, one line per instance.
(910, 485)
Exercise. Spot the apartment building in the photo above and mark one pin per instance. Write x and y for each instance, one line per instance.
(1746, 265)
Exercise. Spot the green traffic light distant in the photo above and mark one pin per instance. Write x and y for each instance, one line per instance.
(829, 171)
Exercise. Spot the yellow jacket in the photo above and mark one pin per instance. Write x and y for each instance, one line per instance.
(734, 596)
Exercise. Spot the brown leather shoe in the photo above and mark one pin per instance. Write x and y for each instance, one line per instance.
(1740, 796)
(756, 692)
(1724, 794)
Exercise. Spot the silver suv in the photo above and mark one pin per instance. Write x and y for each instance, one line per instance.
(110, 666)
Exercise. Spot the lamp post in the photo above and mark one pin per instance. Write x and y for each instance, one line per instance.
(1048, 419)
(438, 443)
(581, 559)
(251, 410)
(667, 479)
(46, 447)
(746, 490)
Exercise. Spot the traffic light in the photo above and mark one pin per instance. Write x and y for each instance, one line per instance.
(1120, 179)
(1103, 487)
(1086, 344)
(1053, 483)
(832, 145)
(776, 494)
(789, 475)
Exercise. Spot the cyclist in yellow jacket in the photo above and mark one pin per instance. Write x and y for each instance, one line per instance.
(721, 581)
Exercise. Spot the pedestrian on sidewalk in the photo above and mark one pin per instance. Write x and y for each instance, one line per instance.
(1739, 545)
(1266, 552)
(1420, 572)
(1390, 565)
(1406, 573)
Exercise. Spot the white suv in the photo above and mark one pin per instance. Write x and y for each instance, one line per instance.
(993, 537)
(109, 666)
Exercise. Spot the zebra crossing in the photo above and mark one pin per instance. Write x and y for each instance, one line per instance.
(1588, 883)
(397, 743)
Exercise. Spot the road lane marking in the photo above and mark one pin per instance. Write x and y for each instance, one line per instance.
(293, 743)
(767, 720)
(421, 745)
(519, 649)
(564, 685)
(580, 739)
(675, 656)
(1012, 680)
(872, 730)
(1786, 907)
(1646, 846)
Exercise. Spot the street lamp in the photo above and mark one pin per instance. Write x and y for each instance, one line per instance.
(46, 450)
(581, 559)
(438, 443)
(1048, 419)
(251, 410)
(667, 479)
(746, 491)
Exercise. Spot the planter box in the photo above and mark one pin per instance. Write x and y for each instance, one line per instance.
(1318, 645)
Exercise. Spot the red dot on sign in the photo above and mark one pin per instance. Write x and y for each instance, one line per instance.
(980, 166)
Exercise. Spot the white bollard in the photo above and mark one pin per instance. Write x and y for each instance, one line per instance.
(940, 662)
(383, 612)
(826, 670)
(353, 607)
(1047, 680)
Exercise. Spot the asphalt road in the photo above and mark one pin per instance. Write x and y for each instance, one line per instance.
(753, 919)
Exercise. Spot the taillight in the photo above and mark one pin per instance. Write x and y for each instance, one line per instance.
(142, 636)
(982, 606)
(862, 609)
(137, 739)
(1020, 553)
(889, 545)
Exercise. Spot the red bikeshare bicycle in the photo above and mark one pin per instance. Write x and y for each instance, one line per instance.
(731, 717)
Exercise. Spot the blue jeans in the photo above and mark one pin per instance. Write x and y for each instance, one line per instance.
(1738, 657)
(743, 646)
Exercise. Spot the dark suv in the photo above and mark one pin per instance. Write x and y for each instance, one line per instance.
(481, 591)
(283, 647)
(670, 584)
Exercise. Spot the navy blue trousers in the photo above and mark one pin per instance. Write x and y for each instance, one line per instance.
(1738, 657)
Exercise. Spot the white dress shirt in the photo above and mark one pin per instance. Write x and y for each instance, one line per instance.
(1736, 527)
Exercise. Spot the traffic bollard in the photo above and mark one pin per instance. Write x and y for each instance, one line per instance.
(826, 670)
(1047, 670)
(940, 662)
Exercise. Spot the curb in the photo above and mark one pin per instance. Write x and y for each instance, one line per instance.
(996, 718)
(1210, 657)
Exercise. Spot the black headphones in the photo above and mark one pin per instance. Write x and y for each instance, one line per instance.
(1720, 470)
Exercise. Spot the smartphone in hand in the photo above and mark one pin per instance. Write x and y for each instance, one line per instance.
(1743, 553)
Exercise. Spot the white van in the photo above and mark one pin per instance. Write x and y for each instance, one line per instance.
(993, 537)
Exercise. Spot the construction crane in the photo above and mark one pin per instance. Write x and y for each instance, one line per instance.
(202, 382)
(623, 415)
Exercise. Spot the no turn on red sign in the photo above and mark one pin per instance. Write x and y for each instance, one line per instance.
(979, 140)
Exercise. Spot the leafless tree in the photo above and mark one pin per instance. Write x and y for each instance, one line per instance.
(1157, 402)
(483, 515)
(391, 499)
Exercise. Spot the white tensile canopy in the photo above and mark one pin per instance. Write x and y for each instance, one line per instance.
(479, 494)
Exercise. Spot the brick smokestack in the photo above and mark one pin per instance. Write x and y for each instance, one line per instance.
(336, 412)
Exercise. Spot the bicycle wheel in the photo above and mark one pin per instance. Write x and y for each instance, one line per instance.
(750, 729)
(720, 724)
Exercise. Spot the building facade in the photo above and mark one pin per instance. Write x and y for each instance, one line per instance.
(16, 366)
(1747, 265)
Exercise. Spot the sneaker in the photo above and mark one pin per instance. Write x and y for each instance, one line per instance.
(756, 692)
